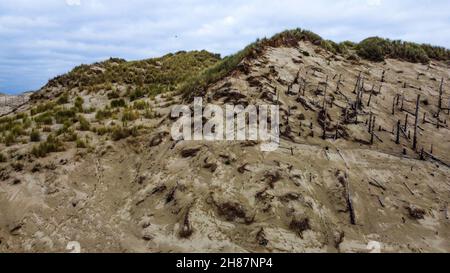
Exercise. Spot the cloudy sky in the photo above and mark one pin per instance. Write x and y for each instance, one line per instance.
(44, 38)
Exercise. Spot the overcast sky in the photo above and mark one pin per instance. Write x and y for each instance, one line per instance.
(40, 39)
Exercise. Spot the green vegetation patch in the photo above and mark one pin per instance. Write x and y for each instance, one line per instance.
(51, 145)
(377, 49)
(167, 71)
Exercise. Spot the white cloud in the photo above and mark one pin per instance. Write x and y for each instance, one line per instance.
(73, 2)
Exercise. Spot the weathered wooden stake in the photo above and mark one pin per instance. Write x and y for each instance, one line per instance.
(350, 203)
(324, 126)
(370, 97)
(409, 189)
(406, 122)
(439, 103)
(289, 115)
(297, 77)
(393, 105)
(373, 130)
(440, 95)
(361, 93)
(416, 123)
(338, 85)
(304, 87)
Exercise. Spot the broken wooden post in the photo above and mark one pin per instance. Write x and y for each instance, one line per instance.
(363, 83)
(382, 75)
(409, 189)
(416, 123)
(372, 131)
(297, 76)
(439, 103)
(370, 97)
(324, 130)
(377, 184)
(370, 122)
(338, 85)
(406, 123)
(424, 117)
(393, 104)
(431, 148)
(440, 95)
(324, 126)
(361, 94)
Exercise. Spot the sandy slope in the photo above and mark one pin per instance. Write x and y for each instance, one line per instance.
(130, 196)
